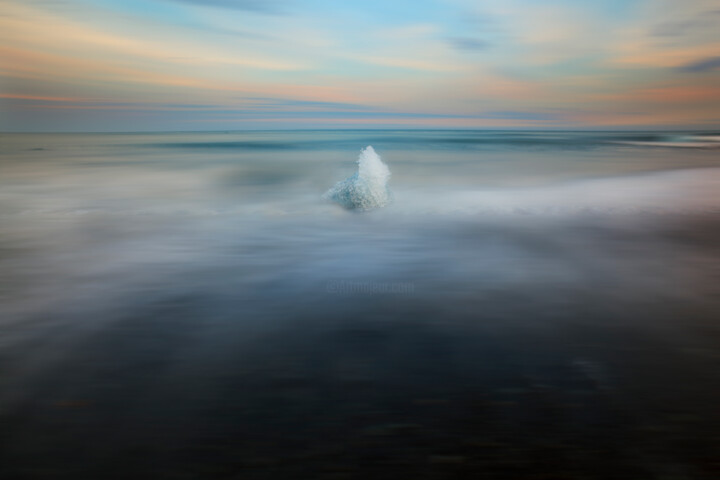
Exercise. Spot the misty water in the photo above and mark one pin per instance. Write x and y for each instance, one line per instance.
(187, 305)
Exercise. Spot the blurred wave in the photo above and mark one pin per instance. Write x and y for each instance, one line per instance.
(453, 139)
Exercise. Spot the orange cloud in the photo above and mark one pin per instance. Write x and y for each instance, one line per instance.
(35, 29)
(421, 122)
(41, 97)
(672, 94)
(643, 54)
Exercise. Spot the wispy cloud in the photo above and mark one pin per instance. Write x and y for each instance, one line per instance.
(272, 7)
(704, 65)
(690, 25)
(468, 44)
(275, 103)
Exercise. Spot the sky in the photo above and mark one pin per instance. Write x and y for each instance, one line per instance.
(181, 65)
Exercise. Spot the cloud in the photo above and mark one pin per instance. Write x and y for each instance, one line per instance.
(699, 66)
(468, 44)
(409, 32)
(43, 98)
(704, 20)
(308, 104)
(271, 7)
(399, 62)
(522, 115)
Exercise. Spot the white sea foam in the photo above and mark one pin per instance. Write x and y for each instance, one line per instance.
(676, 192)
(367, 188)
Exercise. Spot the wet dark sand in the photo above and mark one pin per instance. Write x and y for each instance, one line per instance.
(601, 378)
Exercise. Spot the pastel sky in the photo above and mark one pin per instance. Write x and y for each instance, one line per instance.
(169, 65)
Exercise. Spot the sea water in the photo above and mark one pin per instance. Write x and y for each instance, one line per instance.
(198, 289)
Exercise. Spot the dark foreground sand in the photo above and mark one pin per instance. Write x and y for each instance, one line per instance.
(604, 377)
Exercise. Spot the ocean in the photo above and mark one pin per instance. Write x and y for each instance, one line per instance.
(528, 303)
